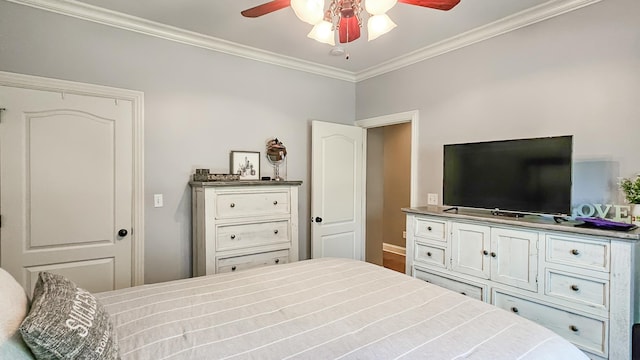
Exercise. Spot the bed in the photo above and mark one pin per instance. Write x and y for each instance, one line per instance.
(319, 309)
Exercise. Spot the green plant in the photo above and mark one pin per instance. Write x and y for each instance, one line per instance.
(631, 189)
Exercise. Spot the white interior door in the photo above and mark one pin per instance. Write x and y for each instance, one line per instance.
(66, 187)
(337, 190)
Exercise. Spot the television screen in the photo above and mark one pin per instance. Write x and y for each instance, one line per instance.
(521, 176)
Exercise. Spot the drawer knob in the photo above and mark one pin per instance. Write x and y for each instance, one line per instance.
(275, 231)
(232, 205)
(493, 254)
(277, 261)
(275, 202)
(429, 253)
(429, 228)
(573, 328)
(575, 252)
(485, 252)
(233, 236)
(233, 268)
(575, 287)
(514, 309)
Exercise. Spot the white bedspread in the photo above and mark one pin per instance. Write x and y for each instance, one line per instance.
(320, 309)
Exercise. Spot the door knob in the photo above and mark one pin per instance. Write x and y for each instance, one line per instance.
(122, 232)
(318, 219)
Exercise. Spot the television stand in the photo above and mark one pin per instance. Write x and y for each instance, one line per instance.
(455, 208)
(532, 255)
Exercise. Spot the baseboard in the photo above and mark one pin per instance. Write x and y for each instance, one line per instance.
(395, 249)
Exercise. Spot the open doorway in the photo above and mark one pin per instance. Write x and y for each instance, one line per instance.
(388, 190)
(391, 162)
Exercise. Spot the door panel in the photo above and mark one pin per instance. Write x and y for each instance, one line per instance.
(66, 184)
(339, 245)
(470, 246)
(516, 261)
(88, 274)
(339, 179)
(54, 147)
(337, 190)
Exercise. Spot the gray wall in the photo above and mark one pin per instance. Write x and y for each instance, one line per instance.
(576, 74)
(199, 105)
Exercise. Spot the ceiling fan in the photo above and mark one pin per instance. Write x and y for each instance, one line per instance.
(344, 15)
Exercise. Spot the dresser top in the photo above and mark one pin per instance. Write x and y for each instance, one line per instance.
(245, 183)
(531, 221)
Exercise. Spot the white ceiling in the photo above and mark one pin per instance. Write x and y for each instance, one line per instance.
(282, 33)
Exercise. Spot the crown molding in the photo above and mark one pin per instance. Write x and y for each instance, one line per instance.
(510, 23)
(119, 20)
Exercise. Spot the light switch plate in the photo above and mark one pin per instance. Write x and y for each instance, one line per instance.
(432, 199)
(158, 201)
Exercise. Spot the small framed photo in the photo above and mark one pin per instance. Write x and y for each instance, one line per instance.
(246, 164)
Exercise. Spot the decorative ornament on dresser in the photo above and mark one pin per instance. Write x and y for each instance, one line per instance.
(276, 154)
(631, 190)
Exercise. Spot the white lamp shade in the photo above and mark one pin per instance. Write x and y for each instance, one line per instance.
(309, 11)
(323, 32)
(379, 7)
(379, 25)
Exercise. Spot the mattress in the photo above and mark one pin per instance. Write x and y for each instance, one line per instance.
(320, 309)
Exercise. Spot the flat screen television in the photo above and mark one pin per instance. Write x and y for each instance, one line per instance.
(523, 176)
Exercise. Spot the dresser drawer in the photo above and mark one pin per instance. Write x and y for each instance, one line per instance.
(240, 236)
(430, 229)
(588, 291)
(469, 290)
(431, 255)
(585, 332)
(244, 262)
(577, 252)
(247, 204)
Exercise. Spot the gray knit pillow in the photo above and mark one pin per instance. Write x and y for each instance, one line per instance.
(67, 322)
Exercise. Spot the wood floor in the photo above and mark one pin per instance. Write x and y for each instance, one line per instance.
(393, 261)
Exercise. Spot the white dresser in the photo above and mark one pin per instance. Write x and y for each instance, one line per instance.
(579, 282)
(243, 224)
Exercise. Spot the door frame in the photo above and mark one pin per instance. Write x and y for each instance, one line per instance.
(137, 100)
(385, 120)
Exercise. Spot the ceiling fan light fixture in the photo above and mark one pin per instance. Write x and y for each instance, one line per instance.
(309, 11)
(378, 25)
(344, 16)
(323, 32)
(379, 7)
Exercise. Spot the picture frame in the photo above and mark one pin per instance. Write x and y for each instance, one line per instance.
(246, 164)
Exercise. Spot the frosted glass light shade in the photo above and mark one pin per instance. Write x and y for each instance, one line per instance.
(309, 11)
(379, 7)
(379, 25)
(323, 32)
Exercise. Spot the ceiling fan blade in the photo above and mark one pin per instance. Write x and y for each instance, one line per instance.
(266, 8)
(434, 4)
(349, 29)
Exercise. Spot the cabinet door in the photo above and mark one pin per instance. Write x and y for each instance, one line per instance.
(470, 247)
(514, 258)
